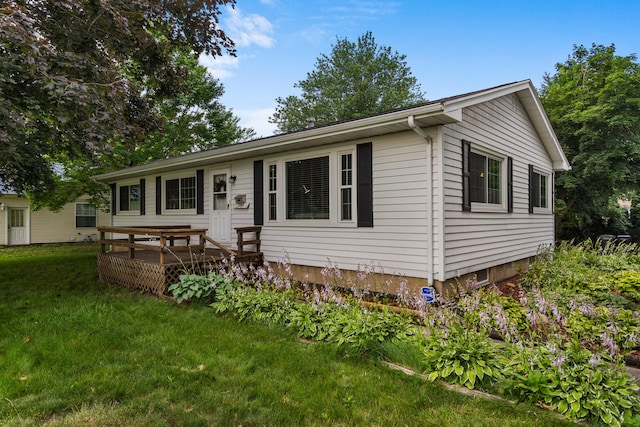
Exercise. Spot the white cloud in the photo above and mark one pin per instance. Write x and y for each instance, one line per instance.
(244, 31)
(247, 30)
(258, 120)
(220, 67)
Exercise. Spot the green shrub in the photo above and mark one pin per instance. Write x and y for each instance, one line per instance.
(462, 356)
(191, 286)
(573, 380)
(628, 284)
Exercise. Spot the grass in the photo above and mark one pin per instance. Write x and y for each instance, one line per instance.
(76, 352)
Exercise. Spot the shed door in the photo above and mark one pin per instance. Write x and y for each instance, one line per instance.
(17, 226)
(220, 229)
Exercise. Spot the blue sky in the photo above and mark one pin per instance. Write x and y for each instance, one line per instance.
(452, 47)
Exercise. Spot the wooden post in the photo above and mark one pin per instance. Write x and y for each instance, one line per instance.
(163, 242)
(240, 242)
(102, 245)
(131, 248)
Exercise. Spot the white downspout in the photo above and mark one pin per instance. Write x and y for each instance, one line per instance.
(412, 124)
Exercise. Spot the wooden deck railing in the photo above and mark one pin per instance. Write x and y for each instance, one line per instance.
(141, 238)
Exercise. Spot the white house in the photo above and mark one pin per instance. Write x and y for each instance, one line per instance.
(433, 192)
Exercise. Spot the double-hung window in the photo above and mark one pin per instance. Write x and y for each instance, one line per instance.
(307, 189)
(485, 179)
(273, 192)
(130, 198)
(539, 187)
(180, 193)
(85, 215)
(346, 186)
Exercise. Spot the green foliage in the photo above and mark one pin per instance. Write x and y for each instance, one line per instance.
(78, 76)
(191, 286)
(603, 323)
(348, 325)
(247, 303)
(592, 102)
(587, 269)
(355, 80)
(628, 284)
(576, 382)
(462, 356)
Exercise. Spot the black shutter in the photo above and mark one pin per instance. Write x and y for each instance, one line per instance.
(510, 184)
(113, 199)
(466, 200)
(143, 197)
(258, 193)
(158, 195)
(200, 191)
(531, 186)
(364, 159)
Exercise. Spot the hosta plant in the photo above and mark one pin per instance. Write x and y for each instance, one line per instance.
(574, 381)
(191, 286)
(462, 356)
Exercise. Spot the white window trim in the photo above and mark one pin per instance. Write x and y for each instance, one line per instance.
(334, 193)
(173, 176)
(131, 212)
(277, 192)
(353, 186)
(75, 217)
(547, 210)
(493, 207)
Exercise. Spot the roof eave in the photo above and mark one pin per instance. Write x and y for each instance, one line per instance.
(395, 121)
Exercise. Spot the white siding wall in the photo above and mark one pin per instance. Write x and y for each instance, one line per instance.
(474, 240)
(134, 219)
(397, 244)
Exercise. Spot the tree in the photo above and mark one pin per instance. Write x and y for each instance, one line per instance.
(593, 103)
(193, 120)
(71, 73)
(355, 80)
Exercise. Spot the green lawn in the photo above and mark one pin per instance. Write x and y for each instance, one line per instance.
(77, 352)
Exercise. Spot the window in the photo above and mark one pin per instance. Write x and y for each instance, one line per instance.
(180, 193)
(307, 188)
(85, 215)
(273, 194)
(346, 187)
(130, 198)
(485, 179)
(540, 190)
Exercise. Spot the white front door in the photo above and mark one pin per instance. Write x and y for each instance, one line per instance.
(17, 226)
(220, 217)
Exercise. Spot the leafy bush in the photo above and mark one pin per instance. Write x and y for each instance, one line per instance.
(191, 286)
(462, 356)
(364, 330)
(574, 381)
(628, 284)
(600, 325)
(260, 305)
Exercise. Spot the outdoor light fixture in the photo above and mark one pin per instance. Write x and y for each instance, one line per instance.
(232, 179)
(1, 207)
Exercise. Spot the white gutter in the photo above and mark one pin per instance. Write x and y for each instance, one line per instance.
(412, 124)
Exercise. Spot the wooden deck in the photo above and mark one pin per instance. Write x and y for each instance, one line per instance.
(153, 258)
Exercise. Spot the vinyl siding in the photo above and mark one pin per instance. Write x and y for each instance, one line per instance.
(397, 244)
(478, 240)
(46, 226)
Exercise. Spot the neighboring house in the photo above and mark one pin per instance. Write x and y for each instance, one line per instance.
(75, 222)
(435, 192)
